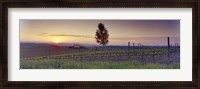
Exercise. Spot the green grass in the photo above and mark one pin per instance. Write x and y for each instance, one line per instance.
(66, 64)
(62, 61)
(116, 52)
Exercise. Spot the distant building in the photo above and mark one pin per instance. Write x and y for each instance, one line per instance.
(76, 46)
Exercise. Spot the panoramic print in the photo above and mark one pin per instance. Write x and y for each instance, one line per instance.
(99, 44)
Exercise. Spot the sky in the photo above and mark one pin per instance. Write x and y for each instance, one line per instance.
(145, 32)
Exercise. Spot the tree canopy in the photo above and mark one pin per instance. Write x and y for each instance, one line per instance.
(102, 35)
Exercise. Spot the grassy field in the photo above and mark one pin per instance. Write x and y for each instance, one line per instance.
(66, 64)
(109, 59)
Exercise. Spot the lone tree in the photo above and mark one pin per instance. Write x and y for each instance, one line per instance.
(102, 35)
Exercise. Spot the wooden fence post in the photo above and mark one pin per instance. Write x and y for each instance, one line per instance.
(128, 50)
(168, 47)
(177, 45)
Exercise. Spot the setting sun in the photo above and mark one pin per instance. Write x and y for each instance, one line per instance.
(56, 41)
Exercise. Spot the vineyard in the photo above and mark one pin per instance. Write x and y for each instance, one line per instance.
(117, 58)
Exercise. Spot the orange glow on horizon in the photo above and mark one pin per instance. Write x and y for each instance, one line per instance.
(56, 40)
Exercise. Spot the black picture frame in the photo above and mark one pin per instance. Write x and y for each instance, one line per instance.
(194, 4)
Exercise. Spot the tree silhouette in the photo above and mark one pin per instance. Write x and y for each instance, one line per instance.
(102, 35)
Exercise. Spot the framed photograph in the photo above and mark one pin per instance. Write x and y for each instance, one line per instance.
(100, 44)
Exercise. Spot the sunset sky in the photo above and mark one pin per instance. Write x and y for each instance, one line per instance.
(146, 32)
